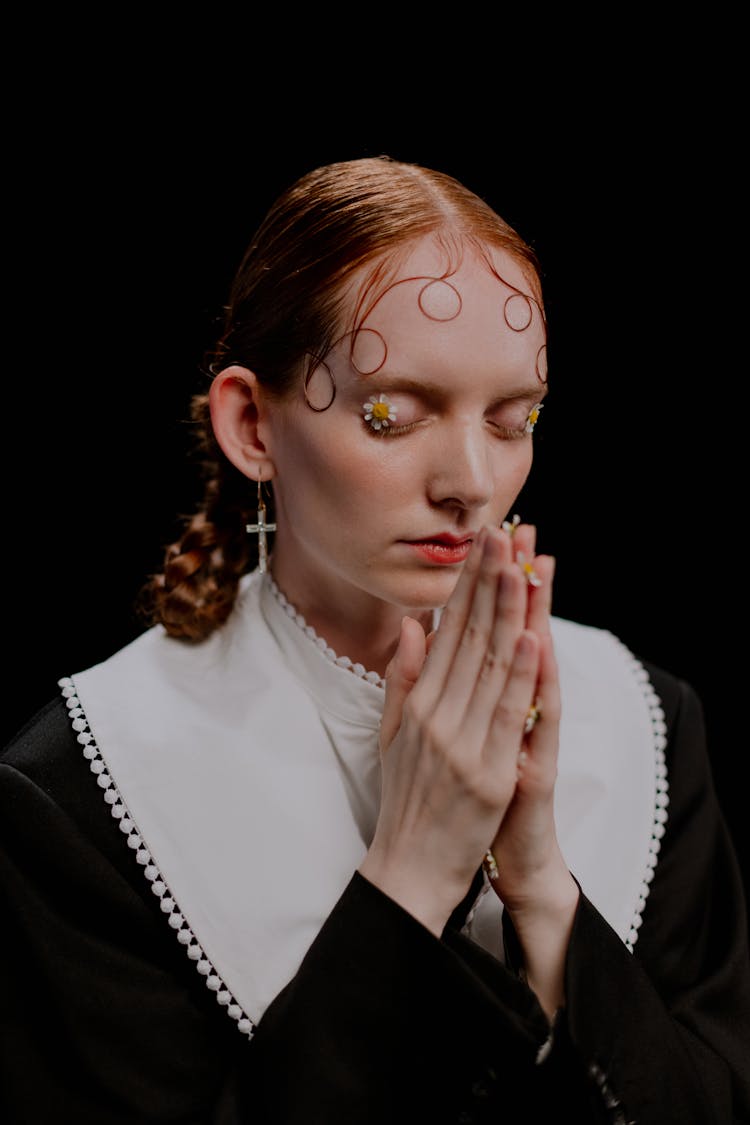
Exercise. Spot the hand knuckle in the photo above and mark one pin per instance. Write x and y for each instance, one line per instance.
(436, 738)
(474, 635)
(414, 710)
(493, 662)
(509, 714)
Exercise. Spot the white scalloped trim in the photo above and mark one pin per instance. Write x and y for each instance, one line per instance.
(661, 788)
(320, 642)
(159, 887)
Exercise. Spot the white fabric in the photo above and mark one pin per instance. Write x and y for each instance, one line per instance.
(249, 766)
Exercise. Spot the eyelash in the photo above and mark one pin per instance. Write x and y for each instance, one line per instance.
(389, 431)
(507, 433)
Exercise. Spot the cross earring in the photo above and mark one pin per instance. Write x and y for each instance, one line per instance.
(260, 528)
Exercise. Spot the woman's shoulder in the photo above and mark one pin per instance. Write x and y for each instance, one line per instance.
(40, 761)
(44, 760)
(46, 737)
(46, 785)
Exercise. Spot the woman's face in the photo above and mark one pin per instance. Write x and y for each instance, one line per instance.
(391, 512)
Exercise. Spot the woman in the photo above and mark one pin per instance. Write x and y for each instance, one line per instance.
(357, 831)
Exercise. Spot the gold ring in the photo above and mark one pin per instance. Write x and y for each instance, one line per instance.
(489, 863)
(533, 715)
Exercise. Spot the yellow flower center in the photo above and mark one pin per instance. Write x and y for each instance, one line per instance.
(380, 411)
(534, 416)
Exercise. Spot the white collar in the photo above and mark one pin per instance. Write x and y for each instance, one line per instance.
(237, 764)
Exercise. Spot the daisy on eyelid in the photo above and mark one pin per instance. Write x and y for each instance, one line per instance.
(533, 417)
(379, 411)
(527, 567)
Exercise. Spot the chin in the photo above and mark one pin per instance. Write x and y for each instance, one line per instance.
(430, 589)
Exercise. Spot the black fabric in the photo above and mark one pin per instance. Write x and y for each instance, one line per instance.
(103, 1018)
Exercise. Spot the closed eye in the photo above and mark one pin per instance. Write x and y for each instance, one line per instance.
(510, 433)
(391, 430)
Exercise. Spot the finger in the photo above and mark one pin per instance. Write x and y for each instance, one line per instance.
(400, 676)
(500, 652)
(540, 597)
(453, 620)
(543, 740)
(471, 654)
(524, 540)
(524, 553)
(505, 735)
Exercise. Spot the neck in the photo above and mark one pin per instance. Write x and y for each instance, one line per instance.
(352, 622)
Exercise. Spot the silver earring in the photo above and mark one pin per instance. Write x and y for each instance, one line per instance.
(260, 528)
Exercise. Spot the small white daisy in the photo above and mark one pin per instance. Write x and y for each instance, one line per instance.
(379, 411)
(527, 567)
(533, 417)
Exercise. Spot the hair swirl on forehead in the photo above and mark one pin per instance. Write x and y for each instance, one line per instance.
(284, 313)
(438, 299)
(287, 295)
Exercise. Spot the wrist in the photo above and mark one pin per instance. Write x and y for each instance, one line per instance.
(431, 902)
(548, 899)
(543, 927)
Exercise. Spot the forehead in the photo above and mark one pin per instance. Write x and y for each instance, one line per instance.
(475, 309)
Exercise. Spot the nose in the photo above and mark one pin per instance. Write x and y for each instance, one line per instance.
(462, 474)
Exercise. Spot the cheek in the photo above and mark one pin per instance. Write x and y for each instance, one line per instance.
(524, 461)
(328, 460)
(512, 467)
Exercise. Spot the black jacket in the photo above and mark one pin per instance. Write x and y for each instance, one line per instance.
(104, 1021)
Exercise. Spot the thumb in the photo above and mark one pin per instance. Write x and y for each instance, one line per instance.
(401, 675)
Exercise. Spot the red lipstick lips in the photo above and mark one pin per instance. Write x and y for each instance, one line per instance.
(444, 549)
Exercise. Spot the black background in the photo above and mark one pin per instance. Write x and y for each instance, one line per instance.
(133, 192)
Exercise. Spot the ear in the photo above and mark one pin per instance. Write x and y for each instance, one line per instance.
(237, 405)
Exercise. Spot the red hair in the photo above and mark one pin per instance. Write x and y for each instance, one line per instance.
(285, 308)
